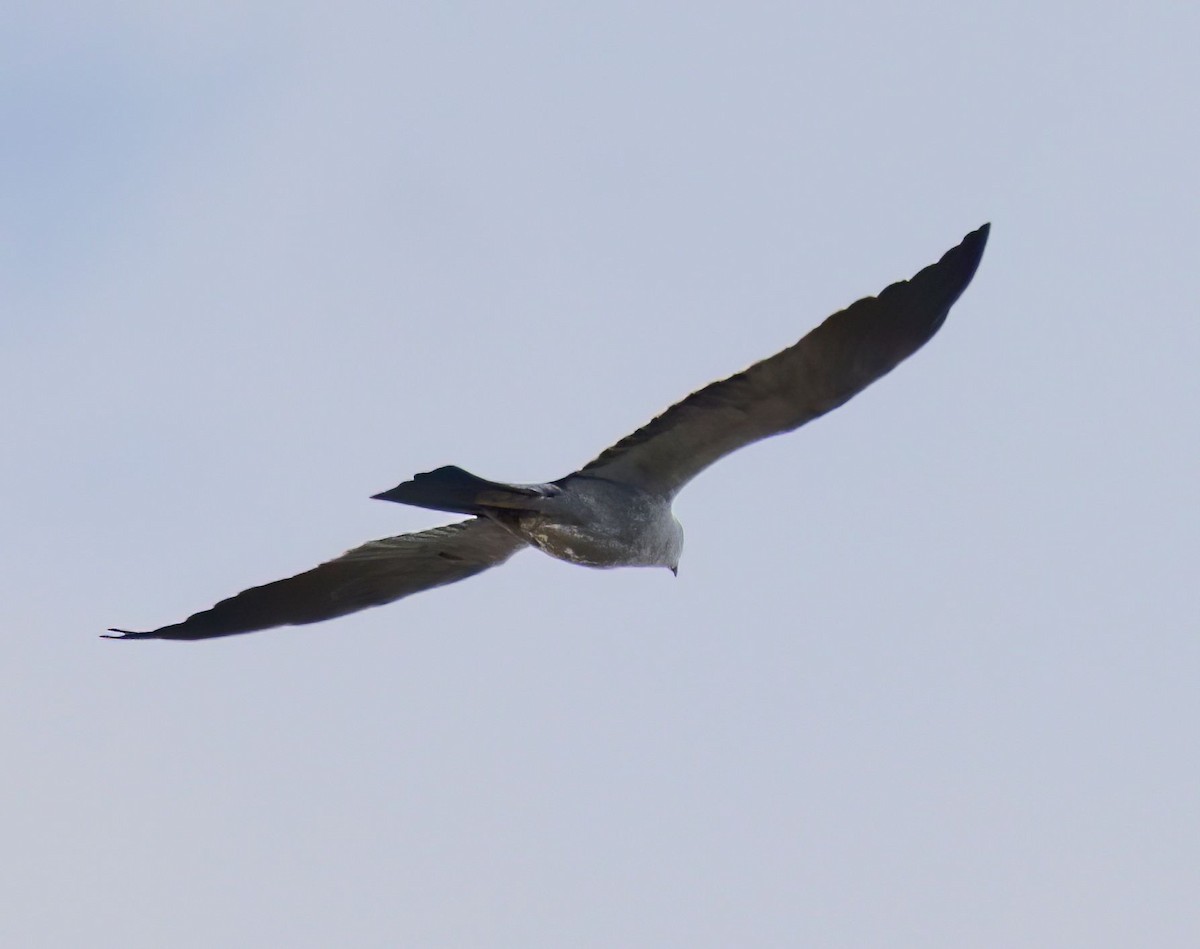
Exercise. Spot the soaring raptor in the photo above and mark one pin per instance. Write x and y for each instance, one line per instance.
(615, 511)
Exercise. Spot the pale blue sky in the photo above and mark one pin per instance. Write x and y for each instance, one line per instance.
(256, 265)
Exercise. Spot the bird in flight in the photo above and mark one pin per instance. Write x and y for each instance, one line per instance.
(615, 511)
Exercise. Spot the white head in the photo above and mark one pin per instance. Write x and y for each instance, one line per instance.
(673, 546)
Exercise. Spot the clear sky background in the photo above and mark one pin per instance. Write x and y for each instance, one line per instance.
(929, 674)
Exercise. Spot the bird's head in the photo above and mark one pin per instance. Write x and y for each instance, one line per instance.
(674, 546)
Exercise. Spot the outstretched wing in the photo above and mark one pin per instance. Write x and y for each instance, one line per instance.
(375, 573)
(838, 359)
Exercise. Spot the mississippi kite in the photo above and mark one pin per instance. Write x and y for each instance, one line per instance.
(615, 511)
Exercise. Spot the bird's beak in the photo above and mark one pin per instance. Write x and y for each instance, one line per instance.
(675, 571)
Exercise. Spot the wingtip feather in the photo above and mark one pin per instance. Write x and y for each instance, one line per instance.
(126, 634)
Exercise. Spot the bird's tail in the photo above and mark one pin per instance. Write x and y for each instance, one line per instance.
(460, 492)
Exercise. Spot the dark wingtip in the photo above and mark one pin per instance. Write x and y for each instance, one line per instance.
(959, 263)
(126, 634)
(978, 238)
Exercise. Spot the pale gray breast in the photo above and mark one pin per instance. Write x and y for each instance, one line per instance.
(600, 523)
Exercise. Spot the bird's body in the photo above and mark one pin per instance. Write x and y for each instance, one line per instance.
(615, 511)
(600, 523)
(581, 518)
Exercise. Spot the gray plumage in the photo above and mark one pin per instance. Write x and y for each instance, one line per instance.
(615, 511)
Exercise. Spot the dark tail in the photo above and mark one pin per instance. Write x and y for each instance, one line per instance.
(460, 492)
